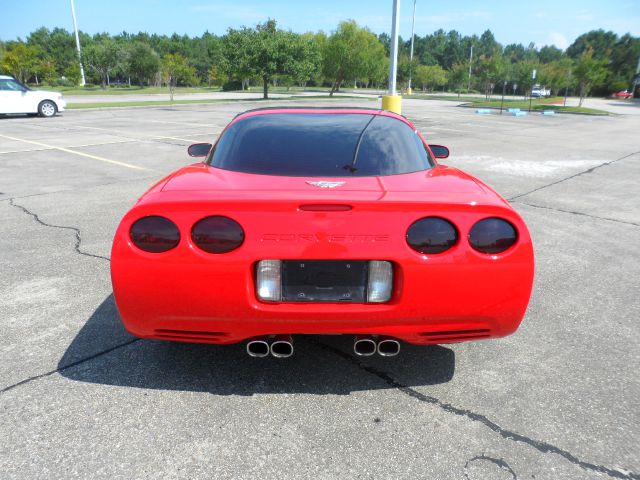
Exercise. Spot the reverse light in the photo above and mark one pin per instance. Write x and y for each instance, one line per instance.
(154, 234)
(269, 280)
(380, 281)
(217, 234)
(492, 235)
(432, 235)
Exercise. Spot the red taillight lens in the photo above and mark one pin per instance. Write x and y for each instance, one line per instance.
(492, 235)
(432, 235)
(217, 234)
(154, 234)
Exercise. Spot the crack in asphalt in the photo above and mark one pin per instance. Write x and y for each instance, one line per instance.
(541, 446)
(62, 227)
(577, 213)
(500, 462)
(584, 172)
(70, 365)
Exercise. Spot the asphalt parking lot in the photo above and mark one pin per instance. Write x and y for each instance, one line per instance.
(80, 398)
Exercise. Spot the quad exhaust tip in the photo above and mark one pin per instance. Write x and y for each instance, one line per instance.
(364, 346)
(388, 347)
(282, 346)
(258, 348)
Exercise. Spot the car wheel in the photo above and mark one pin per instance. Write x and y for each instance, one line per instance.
(47, 108)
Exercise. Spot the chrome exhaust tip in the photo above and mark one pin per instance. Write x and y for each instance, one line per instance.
(258, 348)
(388, 347)
(364, 346)
(282, 346)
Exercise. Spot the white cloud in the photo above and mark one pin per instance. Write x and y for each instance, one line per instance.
(559, 40)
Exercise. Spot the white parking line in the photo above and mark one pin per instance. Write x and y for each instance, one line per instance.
(140, 138)
(100, 144)
(186, 123)
(81, 154)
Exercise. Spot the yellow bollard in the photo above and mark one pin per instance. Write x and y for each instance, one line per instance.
(392, 103)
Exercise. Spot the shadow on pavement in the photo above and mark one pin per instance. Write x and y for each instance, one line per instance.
(321, 364)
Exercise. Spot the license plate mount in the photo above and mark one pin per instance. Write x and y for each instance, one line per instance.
(324, 281)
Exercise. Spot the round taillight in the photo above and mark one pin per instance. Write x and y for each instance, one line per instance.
(492, 235)
(154, 234)
(432, 235)
(217, 234)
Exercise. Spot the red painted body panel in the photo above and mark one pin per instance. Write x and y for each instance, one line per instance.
(190, 295)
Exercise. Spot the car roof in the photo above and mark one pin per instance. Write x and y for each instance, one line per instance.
(6, 77)
(319, 110)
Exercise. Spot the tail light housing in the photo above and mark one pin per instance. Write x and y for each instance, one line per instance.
(432, 235)
(492, 235)
(217, 234)
(154, 234)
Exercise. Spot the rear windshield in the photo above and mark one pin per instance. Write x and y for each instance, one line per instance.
(321, 145)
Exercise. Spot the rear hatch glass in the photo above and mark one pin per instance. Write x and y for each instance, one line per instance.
(321, 145)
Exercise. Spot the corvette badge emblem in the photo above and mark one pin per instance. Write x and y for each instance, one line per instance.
(326, 184)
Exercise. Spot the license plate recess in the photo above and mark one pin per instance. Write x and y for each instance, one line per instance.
(343, 281)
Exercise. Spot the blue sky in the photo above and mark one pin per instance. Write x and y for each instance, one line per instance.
(540, 21)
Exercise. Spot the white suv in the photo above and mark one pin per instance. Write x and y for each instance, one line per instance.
(18, 98)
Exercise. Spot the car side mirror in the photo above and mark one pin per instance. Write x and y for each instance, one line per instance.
(439, 151)
(199, 149)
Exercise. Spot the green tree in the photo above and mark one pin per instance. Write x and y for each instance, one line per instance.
(588, 72)
(103, 57)
(175, 71)
(20, 60)
(57, 44)
(351, 52)
(491, 71)
(305, 59)
(430, 76)
(458, 76)
(72, 74)
(142, 63)
(265, 52)
(45, 70)
(600, 43)
(557, 75)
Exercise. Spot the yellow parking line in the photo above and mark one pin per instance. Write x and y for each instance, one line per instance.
(66, 150)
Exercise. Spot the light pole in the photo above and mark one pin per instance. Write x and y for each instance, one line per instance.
(75, 27)
(470, 60)
(392, 101)
(413, 24)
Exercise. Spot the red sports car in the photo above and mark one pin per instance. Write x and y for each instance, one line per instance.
(321, 221)
(623, 94)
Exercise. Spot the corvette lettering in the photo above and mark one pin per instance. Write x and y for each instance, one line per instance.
(317, 238)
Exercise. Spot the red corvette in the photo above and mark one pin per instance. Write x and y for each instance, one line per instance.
(622, 94)
(321, 221)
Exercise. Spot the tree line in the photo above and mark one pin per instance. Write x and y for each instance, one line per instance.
(597, 62)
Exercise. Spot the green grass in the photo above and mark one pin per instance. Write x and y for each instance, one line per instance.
(538, 105)
(96, 90)
(453, 98)
(155, 103)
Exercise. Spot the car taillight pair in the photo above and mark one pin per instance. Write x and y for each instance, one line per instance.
(215, 234)
(432, 235)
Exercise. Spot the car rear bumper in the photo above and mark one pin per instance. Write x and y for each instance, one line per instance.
(188, 295)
